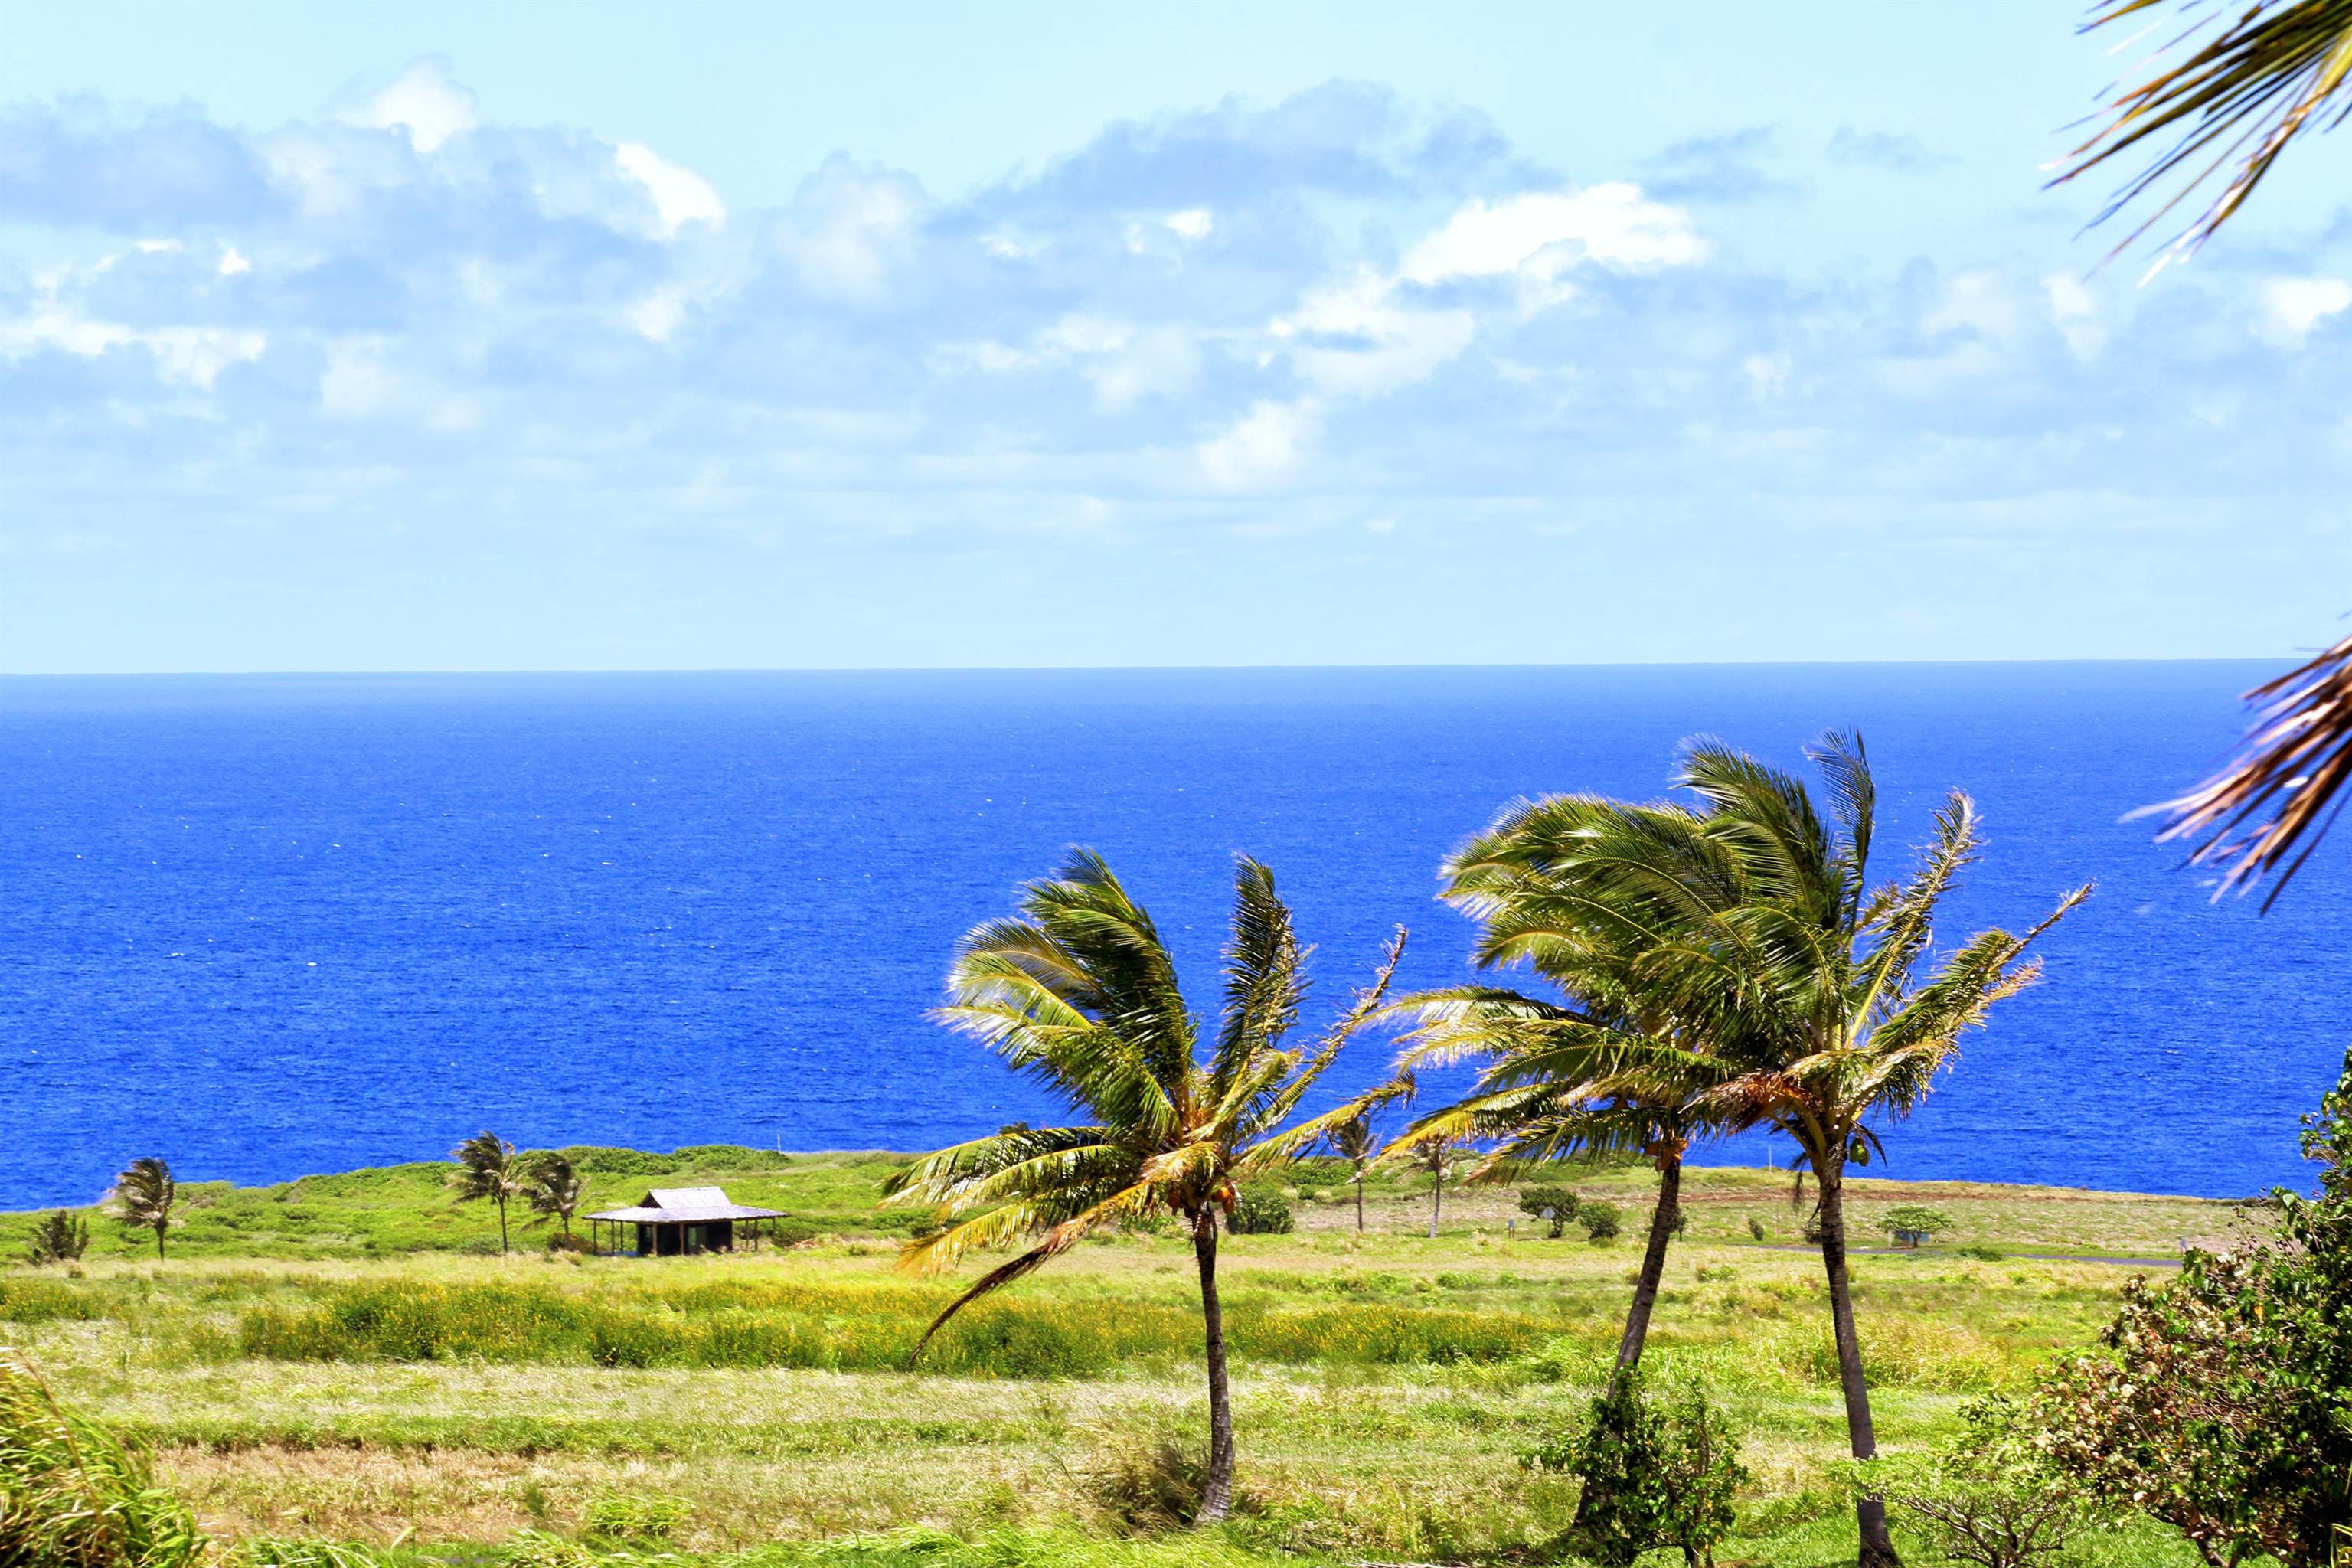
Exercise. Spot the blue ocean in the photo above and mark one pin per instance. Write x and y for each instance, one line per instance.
(269, 925)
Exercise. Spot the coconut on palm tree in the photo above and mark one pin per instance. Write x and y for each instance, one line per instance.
(1079, 991)
(553, 1190)
(488, 1167)
(144, 1195)
(1812, 980)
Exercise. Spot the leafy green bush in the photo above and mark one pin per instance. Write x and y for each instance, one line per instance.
(1601, 1221)
(72, 1495)
(1755, 1227)
(1556, 1206)
(1260, 1211)
(1656, 1472)
(2219, 1405)
(59, 1236)
(1991, 1497)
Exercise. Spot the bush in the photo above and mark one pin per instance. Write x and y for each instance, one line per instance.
(1258, 1211)
(1554, 1205)
(1601, 1221)
(1656, 1472)
(1991, 1496)
(2220, 1406)
(59, 1237)
(72, 1495)
(1911, 1223)
(1756, 1228)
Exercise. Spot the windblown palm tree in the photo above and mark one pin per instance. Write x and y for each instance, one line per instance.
(1581, 890)
(1080, 993)
(2271, 72)
(144, 1195)
(1814, 980)
(553, 1189)
(488, 1168)
(1353, 1139)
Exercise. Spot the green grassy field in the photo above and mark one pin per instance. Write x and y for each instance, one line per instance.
(337, 1358)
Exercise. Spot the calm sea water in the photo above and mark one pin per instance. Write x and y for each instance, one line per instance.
(271, 925)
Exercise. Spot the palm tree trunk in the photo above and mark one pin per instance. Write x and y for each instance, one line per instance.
(1359, 1202)
(1217, 1492)
(159, 1244)
(1870, 1512)
(502, 1226)
(1654, 1264)
(1436, 1199)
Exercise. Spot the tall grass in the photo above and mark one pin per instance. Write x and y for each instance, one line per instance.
(842, 1328)
(74, 1496)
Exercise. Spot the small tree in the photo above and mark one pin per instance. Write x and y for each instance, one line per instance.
(1438, 1156)
(553, 1189)
(1258, 1212)
(1991, 1496)
(1656, 1472)
(488, 1168)
(1911, 1223)
(58, 1238)
(1556, 1206)
(1355, 1141)
(144, 1195)
(1600, 1221)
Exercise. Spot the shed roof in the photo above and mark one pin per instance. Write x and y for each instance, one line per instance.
(685, 1206)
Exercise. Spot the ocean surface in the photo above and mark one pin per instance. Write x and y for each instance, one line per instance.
(271, 925)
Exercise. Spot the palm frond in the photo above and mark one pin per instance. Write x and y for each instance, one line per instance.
(2262, 80)
(2296, 763)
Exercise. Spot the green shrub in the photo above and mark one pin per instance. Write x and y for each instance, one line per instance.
(1991, 1497)
(59, 1236)
(1260, 1211)
(72, 1495)
(1600, 1221)
(1556, 1206)
(23, 1301)
(1656, 1472)
(1755, 1227)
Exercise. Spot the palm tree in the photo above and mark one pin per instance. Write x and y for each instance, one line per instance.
(553, 1189)
(1812, 980)
(144, 1195)
(1079, 991)
(1581, 889)
(2276, 71)
(488, 1168)
(1354, 1141)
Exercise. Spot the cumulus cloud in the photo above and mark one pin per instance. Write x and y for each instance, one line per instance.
(2293, 307)
(422, 102)
(1365, 307)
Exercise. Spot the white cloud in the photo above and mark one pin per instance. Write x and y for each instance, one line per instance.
(2293, 307)
(1263, 446)
(1546, 233)
(680, 195)
(187, 356)
(422, 101)
(850, 228)
(2074, 310)
(1354, 338)
(1192, 223)
(232, 262)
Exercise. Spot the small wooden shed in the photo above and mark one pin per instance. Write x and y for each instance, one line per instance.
(672, 1222)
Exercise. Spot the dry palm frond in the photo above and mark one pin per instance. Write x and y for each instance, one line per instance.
(2276, 71)
(2296, 760)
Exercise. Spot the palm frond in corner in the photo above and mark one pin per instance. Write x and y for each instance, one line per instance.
(2275, 71)
(2277, 793)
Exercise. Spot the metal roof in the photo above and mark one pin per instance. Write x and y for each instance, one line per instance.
(687, 1205)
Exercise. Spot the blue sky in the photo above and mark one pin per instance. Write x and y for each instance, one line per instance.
(539, 337)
